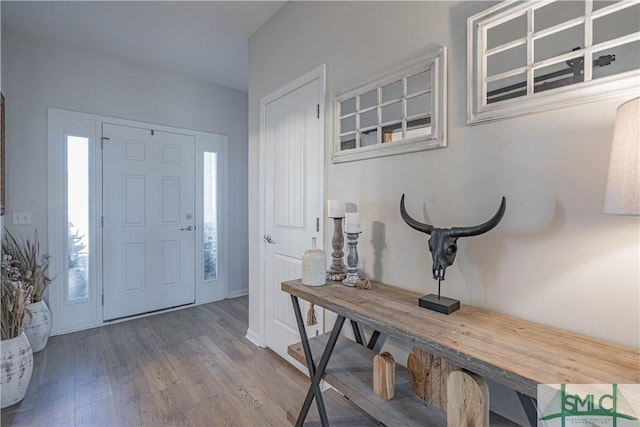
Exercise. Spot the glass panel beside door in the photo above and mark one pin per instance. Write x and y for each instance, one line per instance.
(210, 215)
(77, 178)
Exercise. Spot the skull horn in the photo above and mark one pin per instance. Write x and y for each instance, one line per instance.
(482, 228)
(425, 228)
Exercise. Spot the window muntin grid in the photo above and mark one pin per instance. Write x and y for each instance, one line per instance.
(517, 44)
(401, 109)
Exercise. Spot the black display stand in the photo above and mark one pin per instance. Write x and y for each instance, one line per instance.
(440, 304)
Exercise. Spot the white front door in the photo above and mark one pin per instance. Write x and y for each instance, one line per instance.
(293, 201)
(148, 210)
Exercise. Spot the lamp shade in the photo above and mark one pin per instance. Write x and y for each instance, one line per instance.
(623, 184)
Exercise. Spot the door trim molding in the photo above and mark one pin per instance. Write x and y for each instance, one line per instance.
(318, 73)
(59, 123)
(57, 241)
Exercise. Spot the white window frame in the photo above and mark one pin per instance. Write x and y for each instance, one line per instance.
(218, 288)
(478, 110)
(436, 61)
(68, 315)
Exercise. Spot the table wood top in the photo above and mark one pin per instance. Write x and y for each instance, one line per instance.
(517, 353)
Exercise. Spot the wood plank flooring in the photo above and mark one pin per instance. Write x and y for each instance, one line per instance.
(191, 367)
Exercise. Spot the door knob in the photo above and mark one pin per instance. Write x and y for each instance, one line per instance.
(267, 238)
(187, 228)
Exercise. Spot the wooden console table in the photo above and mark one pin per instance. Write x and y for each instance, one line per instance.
(516, 353)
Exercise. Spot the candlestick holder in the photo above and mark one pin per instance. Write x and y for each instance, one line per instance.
(352, 260)
(337, 270)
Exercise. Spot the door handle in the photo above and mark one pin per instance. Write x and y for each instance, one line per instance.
(267, 238)
(187, 228)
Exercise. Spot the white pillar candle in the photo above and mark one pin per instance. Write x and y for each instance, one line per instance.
(353, 222)
(335, 209)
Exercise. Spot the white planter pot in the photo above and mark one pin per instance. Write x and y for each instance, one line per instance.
(37, 327)
(17, 367)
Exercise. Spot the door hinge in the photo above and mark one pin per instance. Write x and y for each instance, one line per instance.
(102, 222)
(317, 224)
(318, 110)
(103, 299)
(102, 140)
(153, 132)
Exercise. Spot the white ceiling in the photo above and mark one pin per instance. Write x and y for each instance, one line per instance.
(207, 40)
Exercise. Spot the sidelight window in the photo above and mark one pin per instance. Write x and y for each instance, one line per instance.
(77, 209)
(210, 216)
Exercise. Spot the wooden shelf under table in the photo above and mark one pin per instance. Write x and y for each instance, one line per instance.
(350, 371)
(341, 412)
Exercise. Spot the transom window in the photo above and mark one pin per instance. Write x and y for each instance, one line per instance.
(402, 112)
(530, 56)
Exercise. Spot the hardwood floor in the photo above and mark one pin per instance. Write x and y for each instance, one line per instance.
(191, 367)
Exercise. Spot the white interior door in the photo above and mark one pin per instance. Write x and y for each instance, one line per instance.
(148, 211)
(293, 201)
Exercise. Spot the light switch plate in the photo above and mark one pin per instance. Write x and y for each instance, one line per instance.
(21, 218)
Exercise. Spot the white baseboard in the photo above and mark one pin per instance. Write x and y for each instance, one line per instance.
(238, 293)
(254, 338)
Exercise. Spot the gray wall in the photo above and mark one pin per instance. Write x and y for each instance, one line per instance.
(39, 74)
(555, 258)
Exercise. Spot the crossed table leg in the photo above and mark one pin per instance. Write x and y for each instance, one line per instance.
(316, 373)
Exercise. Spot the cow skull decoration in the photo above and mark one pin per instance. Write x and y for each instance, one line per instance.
(443, 241)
